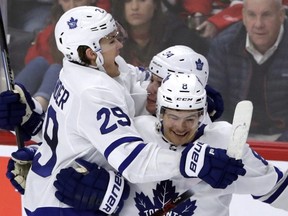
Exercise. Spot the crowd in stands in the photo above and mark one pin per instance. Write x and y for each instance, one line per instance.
(240, 68)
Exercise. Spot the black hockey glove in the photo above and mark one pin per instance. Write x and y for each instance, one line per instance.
(215, 103)
(212, 165)
(19, 166)
(17, 108)
(91, 187)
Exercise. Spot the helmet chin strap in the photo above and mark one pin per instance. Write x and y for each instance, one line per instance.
(100, 61)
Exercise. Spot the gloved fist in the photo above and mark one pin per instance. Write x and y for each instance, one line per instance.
(215, 103)
(212, 165)
(11, 110)
(18, 108)
(19, 166)
(91, 187)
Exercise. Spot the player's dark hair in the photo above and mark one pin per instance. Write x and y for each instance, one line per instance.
(82, 54)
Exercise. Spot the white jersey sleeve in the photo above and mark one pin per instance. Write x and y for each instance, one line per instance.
(262, 180)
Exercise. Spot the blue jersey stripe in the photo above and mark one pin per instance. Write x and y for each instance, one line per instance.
(278, 192)
(119, 142)
(131, 157)
(44, 211)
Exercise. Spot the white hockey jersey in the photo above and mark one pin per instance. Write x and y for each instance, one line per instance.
(262, 180)
(89, 117)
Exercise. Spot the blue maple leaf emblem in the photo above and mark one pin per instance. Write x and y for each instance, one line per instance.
(163, 193)
(168, 54)
(199, 64)
(72, 23)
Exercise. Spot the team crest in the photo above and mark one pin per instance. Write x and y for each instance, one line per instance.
(168, 54)
(72, 23)
(199, 64)
(163, 193)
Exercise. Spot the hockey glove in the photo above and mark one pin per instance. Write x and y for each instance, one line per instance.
(11, 110)
(91, 187)
(18, 108)
(215, 103)
(19, 166)
(212, 165)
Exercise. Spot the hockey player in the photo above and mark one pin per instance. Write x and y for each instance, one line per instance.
(176, 125)
(185, 60)
(89, 117)
(180, 109)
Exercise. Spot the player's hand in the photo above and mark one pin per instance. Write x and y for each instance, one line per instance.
(19, 166)
(90, 187)
(212, 165)
(215, 103)
(18, 108)
(11, 110)
(207, 29)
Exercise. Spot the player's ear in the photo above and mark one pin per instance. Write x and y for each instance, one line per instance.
(91, 55)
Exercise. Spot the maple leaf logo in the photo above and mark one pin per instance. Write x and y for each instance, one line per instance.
(72, 23)
(199, 64)
(164, 192)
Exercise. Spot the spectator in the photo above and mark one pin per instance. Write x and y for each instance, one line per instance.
(248, 61)
(221, 19)
(150, 31)
(209, 16)
(43, 60)
(227, 16)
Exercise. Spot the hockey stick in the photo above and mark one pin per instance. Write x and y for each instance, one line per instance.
(240, 128)
(9, 76)
(173, 203)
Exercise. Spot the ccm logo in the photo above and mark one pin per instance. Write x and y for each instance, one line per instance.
(195, 156)
(115, 193)
(184, 99)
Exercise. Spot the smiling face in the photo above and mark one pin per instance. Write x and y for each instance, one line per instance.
(263, 19)
(139, 12)
(180, 126)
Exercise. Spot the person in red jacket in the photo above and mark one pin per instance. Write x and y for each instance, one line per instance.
(207, 16)
(220, 14)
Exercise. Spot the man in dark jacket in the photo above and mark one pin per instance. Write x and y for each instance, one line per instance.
(249, 61)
